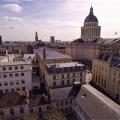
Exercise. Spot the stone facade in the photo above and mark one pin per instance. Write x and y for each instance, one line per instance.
(106, 74)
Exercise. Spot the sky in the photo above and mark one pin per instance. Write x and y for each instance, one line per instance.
(20, 19)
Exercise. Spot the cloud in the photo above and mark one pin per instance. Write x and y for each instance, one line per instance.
(17, 1)
(16, 19)
(7, 27)
(13, 7)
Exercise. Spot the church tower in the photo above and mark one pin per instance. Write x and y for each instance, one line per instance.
(91, 30)
(36, 37)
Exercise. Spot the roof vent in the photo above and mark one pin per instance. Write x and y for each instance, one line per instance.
(84, 95)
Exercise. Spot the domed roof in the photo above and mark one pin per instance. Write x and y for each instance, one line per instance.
(91, 17)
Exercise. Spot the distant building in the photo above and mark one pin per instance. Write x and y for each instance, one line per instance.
(0, 40)
(106, 74)
(30, 49)
(52, 39)
(64, 74)
(58, 48)
(90, 31)
(36, 37)
(91, 45)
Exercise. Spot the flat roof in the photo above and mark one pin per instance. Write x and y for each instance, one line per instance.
(65, 67)
(51, 54)
(96, 105)
(68, 64)
(15, 63)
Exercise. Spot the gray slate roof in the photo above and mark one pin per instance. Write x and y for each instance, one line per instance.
(96, 105)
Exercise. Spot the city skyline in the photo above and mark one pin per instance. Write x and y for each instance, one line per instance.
(62, 18)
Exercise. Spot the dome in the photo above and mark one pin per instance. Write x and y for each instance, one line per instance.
(91, 17)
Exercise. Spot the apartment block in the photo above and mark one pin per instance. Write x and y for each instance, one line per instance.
(106, 74)
(64, 74)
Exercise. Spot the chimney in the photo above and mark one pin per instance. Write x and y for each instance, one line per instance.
(44, 53)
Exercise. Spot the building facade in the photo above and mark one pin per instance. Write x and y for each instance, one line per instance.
(47, 56)
(64, 74)
(15, 74)
(90, 31)
(91, 45)
(106, 74)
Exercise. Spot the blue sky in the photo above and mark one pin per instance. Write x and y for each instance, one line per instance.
(19, 19)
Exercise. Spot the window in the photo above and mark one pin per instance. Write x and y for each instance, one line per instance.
(4, 76)
(12, 90)
(11, 111)
(10, 75)
(4, 68)
(39, 109)
(11, 83)
(61, 102)
(16, 74)
(70, 101)
(16, 67)
(54, 83)
(66, 102)
(54, 77)
(22, 67)
(21, 110)
(48, 107)
(22, 74)
(62, 76)
(23, 81)
(68, 81)
(73, 74)
(68, 75)
(5, 83)
(10, 68)
(62, 82)
(6, 91)
(23, 88)
(31, 110)
(80, 79)
(18, 89)
(1, 92)
(80, 74)
(73, 80)
(1, 113)
(17, 82)
(0, 84)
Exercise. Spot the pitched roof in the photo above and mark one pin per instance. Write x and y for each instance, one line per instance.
(96, 105)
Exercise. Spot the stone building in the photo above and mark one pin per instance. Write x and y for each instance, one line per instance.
(64, 74)
(47, 56)
(91, 45)
(106, 74)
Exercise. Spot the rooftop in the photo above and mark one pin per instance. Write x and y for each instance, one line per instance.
(114, 61)
(96, 105)
(64, 92)
(69, 64)
(37, 100)
(65, 67)
(12, 99)
(16, 59)
(101, 41)
(51, 54)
